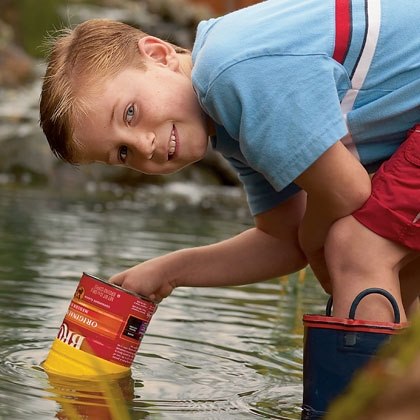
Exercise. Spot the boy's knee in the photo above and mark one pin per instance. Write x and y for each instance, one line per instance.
(340, 237)
(342, 250)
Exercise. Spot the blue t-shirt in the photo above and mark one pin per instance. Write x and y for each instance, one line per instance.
(267, 77)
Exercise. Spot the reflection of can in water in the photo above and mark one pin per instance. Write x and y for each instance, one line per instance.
(101, 331)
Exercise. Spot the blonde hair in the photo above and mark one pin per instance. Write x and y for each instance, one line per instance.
(78, 59)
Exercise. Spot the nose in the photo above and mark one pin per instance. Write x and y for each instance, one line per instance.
(145, 144)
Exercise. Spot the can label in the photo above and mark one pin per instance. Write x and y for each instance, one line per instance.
(105, 320)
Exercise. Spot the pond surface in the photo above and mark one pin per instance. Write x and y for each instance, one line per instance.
(211, 353)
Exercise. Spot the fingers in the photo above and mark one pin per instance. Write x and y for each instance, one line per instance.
(155, 298)
(163, 292)
(118, 278)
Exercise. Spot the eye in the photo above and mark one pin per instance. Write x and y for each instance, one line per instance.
(122, 154)
(129, 114)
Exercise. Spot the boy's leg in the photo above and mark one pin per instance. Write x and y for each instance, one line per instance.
(359, 259)
(334, 351)
(369, 249)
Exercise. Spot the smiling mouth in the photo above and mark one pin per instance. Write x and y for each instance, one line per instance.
(172, 144)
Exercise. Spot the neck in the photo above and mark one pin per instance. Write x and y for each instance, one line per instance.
(185, 63)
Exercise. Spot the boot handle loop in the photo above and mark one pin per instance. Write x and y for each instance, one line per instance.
(360, 296)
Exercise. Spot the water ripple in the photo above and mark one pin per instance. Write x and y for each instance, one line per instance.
(212, 353)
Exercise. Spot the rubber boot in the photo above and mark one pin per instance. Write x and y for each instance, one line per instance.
(335, 348)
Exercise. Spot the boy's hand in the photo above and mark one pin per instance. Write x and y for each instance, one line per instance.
(147, 279)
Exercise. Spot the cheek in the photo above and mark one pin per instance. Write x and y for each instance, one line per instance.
(186, 99)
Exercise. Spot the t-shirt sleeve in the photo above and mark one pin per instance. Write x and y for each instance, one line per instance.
(284, 111)
(261, 195)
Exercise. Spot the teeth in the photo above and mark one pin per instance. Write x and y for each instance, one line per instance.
(172, 144)
(172, 149)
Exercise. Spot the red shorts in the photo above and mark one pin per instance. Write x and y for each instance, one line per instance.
(393, 209)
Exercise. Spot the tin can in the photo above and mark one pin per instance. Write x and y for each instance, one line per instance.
(100, 398)
(101, 331)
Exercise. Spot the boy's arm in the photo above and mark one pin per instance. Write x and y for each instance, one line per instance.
(266, 251)
(337, 185)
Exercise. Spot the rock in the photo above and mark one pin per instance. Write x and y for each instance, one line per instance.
(16, 67)
(26, 158)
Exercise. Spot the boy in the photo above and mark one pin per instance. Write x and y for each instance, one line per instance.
(301, 96)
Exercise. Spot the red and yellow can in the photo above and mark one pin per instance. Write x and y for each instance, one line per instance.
(101, 331)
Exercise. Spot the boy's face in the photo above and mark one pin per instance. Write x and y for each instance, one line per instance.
(148, 120)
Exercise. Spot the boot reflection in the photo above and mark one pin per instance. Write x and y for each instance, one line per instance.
(104, 398)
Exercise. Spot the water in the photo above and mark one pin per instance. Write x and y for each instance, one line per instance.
(211, 353)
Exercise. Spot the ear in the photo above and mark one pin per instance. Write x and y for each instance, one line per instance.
(158, 51)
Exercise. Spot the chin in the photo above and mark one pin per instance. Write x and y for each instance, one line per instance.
(172, 169)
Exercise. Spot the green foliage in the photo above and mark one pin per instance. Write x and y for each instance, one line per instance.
(34, 19)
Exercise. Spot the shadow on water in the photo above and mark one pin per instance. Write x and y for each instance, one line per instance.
(219, 353)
